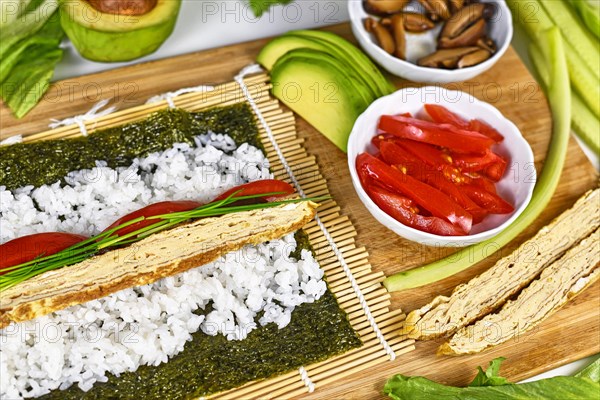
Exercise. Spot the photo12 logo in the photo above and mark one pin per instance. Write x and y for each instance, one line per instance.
(287, 11)
(45, 331)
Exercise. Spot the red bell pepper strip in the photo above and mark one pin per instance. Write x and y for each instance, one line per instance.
(431, 199)
(490, 164)
(377, 139)
(495, 171)
(444, 135)
(28, 248)
(433, 157)
(164, 207)
(486, 129)
(482, 182)
(476, 162)
(442, 115)
(454, 192)
(395, 155)
(260, 187)
(493, 203)
(431, 175)
(400, 208)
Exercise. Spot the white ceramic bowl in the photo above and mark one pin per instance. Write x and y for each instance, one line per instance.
(516, 186)
(420, 45)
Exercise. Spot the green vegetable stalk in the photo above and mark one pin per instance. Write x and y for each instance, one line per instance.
(589, 13)
(559, 96)
(489, 385)
(582, 52)
(584, 122)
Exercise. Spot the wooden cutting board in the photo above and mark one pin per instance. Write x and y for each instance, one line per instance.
(570, 334)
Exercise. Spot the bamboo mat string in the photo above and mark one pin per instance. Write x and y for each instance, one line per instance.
(80, 120)
(239, 78)
(306, 379)
(11, 140)
(169, 96)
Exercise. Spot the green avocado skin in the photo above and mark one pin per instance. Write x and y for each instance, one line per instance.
(322, 90)
(110, 46)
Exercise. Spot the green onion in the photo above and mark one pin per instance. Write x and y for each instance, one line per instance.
(559, 96)
(81, 251)
(589, 13)
(586, 125)
(584, 122)
(573, 33)
(532, 16)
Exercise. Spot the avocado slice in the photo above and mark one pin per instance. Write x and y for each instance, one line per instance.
(109, 37)
(354, 56)
(277, 47)
(346, 72)
(319, 88)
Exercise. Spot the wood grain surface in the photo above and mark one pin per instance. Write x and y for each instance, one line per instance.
(570, 334)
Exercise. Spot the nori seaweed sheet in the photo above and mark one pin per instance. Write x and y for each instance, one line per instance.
(49, 161)
(208, 364)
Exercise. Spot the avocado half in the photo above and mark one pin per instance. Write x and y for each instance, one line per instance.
(107, 37)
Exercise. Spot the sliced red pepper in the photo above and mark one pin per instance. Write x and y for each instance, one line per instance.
(424, 195)
(432, 156)
(377, 139)
(260, 187)
(490, 164)
(495, 171)
(482, 182)
(444, 135)
(28, 248)
(400, 208)
(486, 129)
(164, 207)
(364, 177)
(396, 155)
(442, 115)
(393, 154)
(454, 192)
(493, 203)
(476, 162)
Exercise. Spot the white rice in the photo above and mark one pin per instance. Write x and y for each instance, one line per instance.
(146, 325)
(94, 198)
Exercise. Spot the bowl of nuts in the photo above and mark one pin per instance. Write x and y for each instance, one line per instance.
(438, 41)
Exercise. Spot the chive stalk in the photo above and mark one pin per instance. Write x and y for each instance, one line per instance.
(107, 240)
(559, 97)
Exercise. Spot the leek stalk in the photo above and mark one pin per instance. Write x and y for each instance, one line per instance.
(533, 17)
(584, 122)
(589, 13)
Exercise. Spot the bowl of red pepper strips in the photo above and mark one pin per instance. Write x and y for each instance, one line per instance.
(440, 167)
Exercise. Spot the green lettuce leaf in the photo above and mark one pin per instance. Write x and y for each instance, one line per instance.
(592, 371)
(489, 386)
(491, 376)
(28, 66)
(259, 7)
(31, 17)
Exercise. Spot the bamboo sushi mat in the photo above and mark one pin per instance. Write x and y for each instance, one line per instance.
(341, 229)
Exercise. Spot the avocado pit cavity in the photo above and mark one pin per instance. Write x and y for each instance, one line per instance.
(124, 7)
